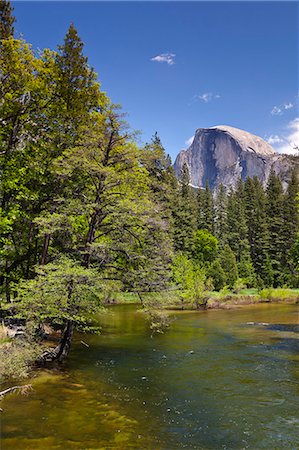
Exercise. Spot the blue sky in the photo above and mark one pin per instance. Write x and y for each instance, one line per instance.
(178, 66)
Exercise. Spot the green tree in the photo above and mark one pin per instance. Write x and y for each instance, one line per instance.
(221, 215)
(63, 295)
(237, 230)
(258, 234)
(205, 246)
(184, 221)
(229, 265)
(23, 95)
(246, 270)
(6, 20)
(205, 209)
(290, 226)
(192, 280)
(275, 212)
(217, 275)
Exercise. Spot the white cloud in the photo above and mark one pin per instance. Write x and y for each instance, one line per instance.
(207, 97)
(274, 139)
(276, 111)
(168, 58)
(189, 141)
(288, 142)
(279, 110)
(288, 105)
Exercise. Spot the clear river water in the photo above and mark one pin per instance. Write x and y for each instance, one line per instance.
(220, 379)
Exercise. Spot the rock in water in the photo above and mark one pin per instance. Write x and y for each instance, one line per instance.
(223, 154)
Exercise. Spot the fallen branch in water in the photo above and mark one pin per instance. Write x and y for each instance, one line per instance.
(23, 389)
(84, 343)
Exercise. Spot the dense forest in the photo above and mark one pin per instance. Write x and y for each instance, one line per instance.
(86, 212)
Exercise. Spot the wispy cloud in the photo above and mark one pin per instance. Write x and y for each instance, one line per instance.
(207, 97)
(288, 142)
(288, 105)
(279, 110)
(168, 58)
(189, 141)
(276, 111)
(274, 139)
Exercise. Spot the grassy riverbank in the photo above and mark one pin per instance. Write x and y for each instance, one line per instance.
(172, 299)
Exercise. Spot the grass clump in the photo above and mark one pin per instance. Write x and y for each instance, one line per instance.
(271, 294)
(16, 359)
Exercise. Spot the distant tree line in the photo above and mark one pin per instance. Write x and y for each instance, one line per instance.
(249, 232)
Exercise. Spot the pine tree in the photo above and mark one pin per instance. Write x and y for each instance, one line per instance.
(205, 209)
(275, 217)
(221, 215)
(257, 223)
(6, 20)
(162, 179)
(229, 265)
(246, 270)
(183, 214)
(77, 88)
(237, 230)
(290, 223)
(217, 274)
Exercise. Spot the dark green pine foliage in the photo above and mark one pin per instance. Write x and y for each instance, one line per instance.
(257, 223)
(229, 265)
(183, 214)
(237, 233)
(217, 274)
(162, 180)
(6, 20)
(275, 217)
(205, 209)
(77, 88)
(291, 223)
(237, 230)
(220, 211)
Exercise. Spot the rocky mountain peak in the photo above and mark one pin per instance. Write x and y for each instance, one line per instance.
(222, 154)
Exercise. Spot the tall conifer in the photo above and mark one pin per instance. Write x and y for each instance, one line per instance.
(275, 213)
(6, 20)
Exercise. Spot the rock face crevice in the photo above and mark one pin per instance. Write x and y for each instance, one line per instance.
(223, 154)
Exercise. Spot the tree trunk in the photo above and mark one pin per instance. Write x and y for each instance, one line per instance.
(63, 348)
(140, 298)
(89, 239)
(65, 342)
(7, 287)
(45, 250)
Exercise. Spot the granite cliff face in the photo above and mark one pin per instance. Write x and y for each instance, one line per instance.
(223, 154)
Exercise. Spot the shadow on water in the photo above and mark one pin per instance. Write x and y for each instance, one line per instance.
(291, 327)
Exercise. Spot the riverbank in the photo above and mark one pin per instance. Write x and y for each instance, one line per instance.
(172, 299)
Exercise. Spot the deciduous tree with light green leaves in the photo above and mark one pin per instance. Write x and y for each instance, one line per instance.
(192, 280)
(64, 295)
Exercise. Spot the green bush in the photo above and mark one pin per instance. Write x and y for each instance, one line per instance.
(17, 358)
(278, 294)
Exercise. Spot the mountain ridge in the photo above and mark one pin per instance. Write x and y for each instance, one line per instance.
(222, 154)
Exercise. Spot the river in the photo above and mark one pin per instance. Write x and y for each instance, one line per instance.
(220, 379)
